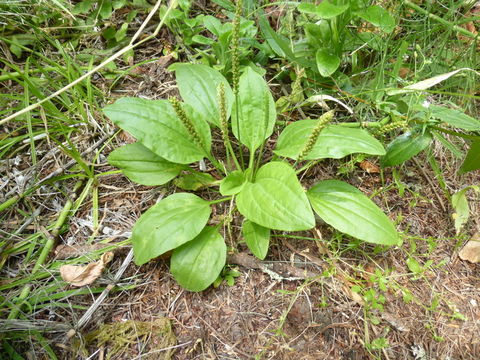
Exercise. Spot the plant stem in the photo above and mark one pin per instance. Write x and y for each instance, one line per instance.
(440, 20)
(234, 157)
(6, 204)
(46, 250)
(220, 200)
(251, 160)
(216, 164)
(307, 166)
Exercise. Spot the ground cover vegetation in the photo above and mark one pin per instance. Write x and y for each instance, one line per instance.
(307, 179)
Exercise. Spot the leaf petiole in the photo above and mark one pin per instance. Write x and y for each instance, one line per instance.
(220, 200)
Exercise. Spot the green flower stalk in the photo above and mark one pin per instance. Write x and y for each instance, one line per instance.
(390, 127)
(312, 139)
(186, 121)
(223, 113)
(297, 92)
(234, 45)
(224, 123)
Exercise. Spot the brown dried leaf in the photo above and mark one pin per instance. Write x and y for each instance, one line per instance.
(404, 72)
(471, 250)
(369, 167)
(85, 274)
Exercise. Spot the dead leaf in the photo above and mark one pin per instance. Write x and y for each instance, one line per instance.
(369, 167)
(404, 72)
(471, 250)
(85, 274)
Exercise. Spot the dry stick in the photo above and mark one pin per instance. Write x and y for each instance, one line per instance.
(129, 47)
(29, 325)
(46, 250)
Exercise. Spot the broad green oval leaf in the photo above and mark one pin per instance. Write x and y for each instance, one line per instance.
(378, 16)
(198, 86)
(455, 118)
(143, 166)
(347, 209)
(327, 62)
(156, 126)
(194, 181)
(325, 10)
(257, 238)
(197, 264)
(256, 110)
(472, 160)
(334, 142)
(276, 199)
(405, 147)
(232, 183)
(172, 222)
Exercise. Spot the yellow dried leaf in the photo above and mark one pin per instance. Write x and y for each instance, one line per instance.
(85, 274)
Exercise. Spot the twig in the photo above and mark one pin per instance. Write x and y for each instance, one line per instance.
(127, 48)
(35, 325)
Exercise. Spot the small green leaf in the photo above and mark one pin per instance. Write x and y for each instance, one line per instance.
(455, 118)
(172, 222)
(325, 10)
(414, 266)
(257, 238)
(348, 210)
(122, 32)
(327, 62)
(143, 166)
(279, 44)
(82, 7)
(378, 16)
(155, 124)
(405, 147)
(276, 199)
(200, 39)
(257, 113)
(233, 183)
(106, 9)
(198, 263)
(198, 86)
(334, 142)
(461, 207)
(194, 181)
(472, 160)
(213, 25)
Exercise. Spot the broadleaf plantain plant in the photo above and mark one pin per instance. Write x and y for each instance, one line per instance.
(173, 134)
